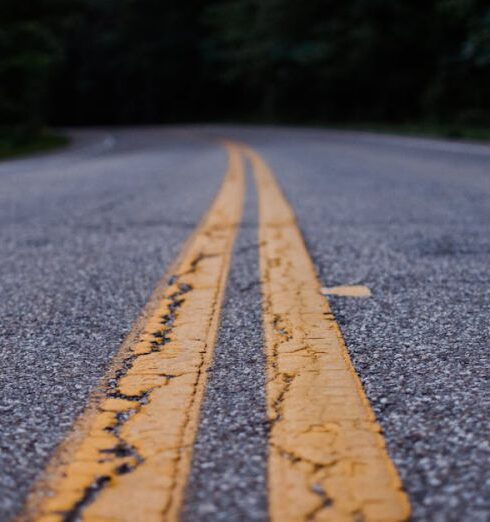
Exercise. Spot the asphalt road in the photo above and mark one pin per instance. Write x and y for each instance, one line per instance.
(86, 233)
(229, 478)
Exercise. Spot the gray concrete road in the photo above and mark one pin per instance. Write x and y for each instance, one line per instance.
(86, 233)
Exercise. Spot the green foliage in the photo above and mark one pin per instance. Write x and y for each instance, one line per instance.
(148, 61)
(30, 50)
(12, 144)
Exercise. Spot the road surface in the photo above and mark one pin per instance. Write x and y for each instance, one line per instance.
(87, 234)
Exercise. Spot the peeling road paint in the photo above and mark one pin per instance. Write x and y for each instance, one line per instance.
(327, 458)
(134, 460)
(347, 291)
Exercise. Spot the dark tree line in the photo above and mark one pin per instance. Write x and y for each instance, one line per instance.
(152, 61)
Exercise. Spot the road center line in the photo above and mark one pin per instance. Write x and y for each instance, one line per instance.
(327, 457)
(228, 481)
(134, 459)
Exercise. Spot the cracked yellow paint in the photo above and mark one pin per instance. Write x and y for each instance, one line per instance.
(327, 458)
(135, 457)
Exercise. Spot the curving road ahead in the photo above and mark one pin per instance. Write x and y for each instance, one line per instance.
(88, 232)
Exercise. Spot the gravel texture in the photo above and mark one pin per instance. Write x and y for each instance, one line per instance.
(411, 220)
(85, 235)
(228, 479)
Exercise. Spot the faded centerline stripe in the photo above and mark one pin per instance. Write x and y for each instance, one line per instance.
(133, 461)
(327, 458)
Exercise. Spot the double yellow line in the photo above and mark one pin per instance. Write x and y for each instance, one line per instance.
(129, 456)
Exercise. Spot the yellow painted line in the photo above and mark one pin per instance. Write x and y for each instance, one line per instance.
(327, 458)
(133, 461)
(347, 291)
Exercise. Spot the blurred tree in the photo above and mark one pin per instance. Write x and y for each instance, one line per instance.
(133, 61)
(461, 84)
(148, 61)
(327, 58)
(29, 51)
